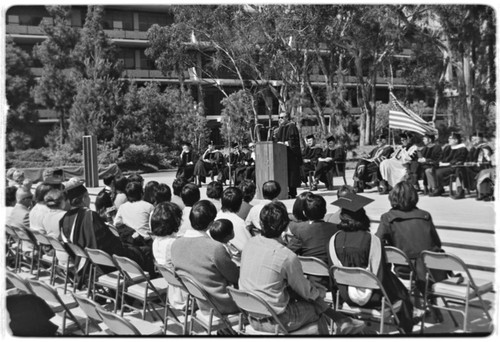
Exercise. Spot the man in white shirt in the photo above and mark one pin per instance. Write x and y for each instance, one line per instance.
(190, 194)
(270, 191)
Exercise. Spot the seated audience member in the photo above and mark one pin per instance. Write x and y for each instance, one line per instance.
(395, 169)
(177, 186)
(29, 315)
(8, 177)
(333, 153)
(18, 178)
(136, 177)
(270, 191)
(150, 190)
(486, 178)
(52, 179)
(199, 256)
(455, 153)
(163, 194)
(134, 214)
(55, 200)
(231, 201)
(367, 171)
(222, 230)
(248, 188)
(427, 158)
(410, 229)
(335, 217)
(120, 187)
(297, 217)
(190, 195)
(20, 215)
(274, 273)
(10, 199)
(355, 246)
(311, 237)
(165, 222)
(109, 186)
(310, 155)
(214, 193)
(106, 209)
(186, 163)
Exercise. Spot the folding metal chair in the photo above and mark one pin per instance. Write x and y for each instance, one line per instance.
(82, 257)
(59, 304)
(62, 262)
(197, 291)
(361, 278)
(141, 288)
(395, 256)
(27, 247)
(457, 290)
(11, 247)
(251, 305)
(119, 325)
(173, 282)
(89, 307)
(18, 282)
(43, 245)
(316, 269)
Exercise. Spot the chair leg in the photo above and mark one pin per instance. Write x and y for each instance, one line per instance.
(485, 309)
(449, 312)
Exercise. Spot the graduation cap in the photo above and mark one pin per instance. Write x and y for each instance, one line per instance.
(330, 139)
(310, 136)
(352, 202)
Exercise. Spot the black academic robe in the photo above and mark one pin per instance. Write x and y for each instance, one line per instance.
(186, 170)
(289, 133)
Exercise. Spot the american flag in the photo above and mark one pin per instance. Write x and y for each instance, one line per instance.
(403, 118)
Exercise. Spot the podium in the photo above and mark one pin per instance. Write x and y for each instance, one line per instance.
(271, 164)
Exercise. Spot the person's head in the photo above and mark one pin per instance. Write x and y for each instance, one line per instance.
(345, 189)
(77, 194)
(18, 177)
(135, 177)
(53, 176)
(109, 180)
(404, 139)
(428, 139)
(186, 147)
(273, 219)
(248, 188)
(165, 219)
(314, 207)
(202, 214)
(403, 196)
(381, 140)
(214, 190)
(251, 147)
(231, 199)
(163, 193)
(104, 206)
(133, 191)
(271, 190)
(352, 214)
(310, 141)
(331, 142)
(190, 194)
(477, 138)
(24, 196)
(487, 151)
(150, 190)
(235, 147)
(177, 185)
(10, 173)
(454, 139)
(55, 199)
(10, 196)
(221, 230)
(283, 118)
(121, 184)
(41, 190)
(298, 206)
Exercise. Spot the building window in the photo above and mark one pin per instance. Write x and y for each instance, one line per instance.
(128, 57)
(146, 20)
(118, 20)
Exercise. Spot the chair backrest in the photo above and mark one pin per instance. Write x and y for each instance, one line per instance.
(195, 289)
(446, 262)
(56, 244)
(77, 250)
(116, 323)
(88, 306)
(98, 257)
(24, 234)
(250, 303)
(41, 238)
(396, 256)
(355, 276)
(18, 282)
(314, 266)
(45, 292)
(169, 275)
(11, 232)
(129, 268)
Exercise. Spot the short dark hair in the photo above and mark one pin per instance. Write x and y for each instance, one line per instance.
(134, 191)
(248, 188)
(150, 191)
(108, 180)
(121, 183)
(55, 197)
(135, 177)
(41, 190)
(178, 184)
(273, 219)
(165, 219)
(431, 137)
(214, 190)
(231, 199)
(190, 194)
(202, 214)
(271, 189)
(314, 207)
(103, 201)
(403, 196)
(298, 206)
(163, 193)
(354, 221)
(220, 229)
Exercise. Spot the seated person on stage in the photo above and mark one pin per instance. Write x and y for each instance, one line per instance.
(190, 194)
(186, 163)
(198, 255)
(177, 186)
(231, 201)
(222, 230)
(310, 155)
(248, 188)
(395, 169)
(355, 246)
(209, 164)
(367, 172)
(427, 158)
(333, 153)
(246, 167)
(455, 153)
(214, 193)
(274, 273)
(485, 182)
(270, 191)
(233, 162)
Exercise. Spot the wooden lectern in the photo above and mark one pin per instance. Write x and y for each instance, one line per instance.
(271, 164)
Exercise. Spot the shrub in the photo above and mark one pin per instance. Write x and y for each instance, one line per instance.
(107, 154)
(138, 155)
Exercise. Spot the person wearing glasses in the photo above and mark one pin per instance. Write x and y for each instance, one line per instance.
(288, 134)
(455, 153)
